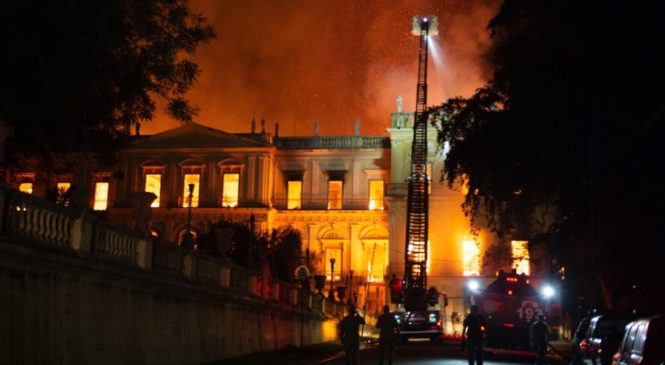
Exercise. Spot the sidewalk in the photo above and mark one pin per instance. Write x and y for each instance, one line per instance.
(562, 350)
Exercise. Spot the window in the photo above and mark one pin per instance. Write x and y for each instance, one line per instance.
(335, 194)
(376, 195)
(193, 179)
(230, 190)
(62, 188)
(153, 172)
(25, 181)
(375, 254)
(101, 196)
(470, 258)
(429, 178)
(520, 256)
(294, 194)
(25, 187)
(153, 184)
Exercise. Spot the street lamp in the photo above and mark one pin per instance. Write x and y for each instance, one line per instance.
(188, 240)
(331, 294)
(355, 296)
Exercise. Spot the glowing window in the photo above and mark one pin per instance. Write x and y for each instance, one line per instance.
(62, 188)
(25, 187)
(153, 184)
(230, 190)
(520, 256)
(101, 196)
(429, 257)
(470, 258)
(191, 179)
(376, 261)
(376, 195)
(334, 194)
(429, 178)
(333, 253)
(294, 193)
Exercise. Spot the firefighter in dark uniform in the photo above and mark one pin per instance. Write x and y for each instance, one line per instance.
(474, 328)
(539, 334)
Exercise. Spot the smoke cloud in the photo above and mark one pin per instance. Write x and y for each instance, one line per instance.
(296, 61)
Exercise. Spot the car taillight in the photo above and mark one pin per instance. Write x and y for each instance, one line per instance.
(583, 345)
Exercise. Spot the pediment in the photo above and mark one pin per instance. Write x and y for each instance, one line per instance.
(196, 135)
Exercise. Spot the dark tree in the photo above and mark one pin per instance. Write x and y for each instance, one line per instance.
(561, 146)
(287, 252)
(80, 74)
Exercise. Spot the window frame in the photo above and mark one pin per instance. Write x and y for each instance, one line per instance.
(289, 199)
(224, 204)
(153, 168)
(383, 194)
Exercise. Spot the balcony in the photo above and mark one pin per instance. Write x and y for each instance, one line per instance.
(323, 204)
(331, 142)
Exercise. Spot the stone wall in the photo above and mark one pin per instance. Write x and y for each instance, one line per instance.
(76, 290)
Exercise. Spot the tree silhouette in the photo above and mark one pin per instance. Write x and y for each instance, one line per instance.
(561, 146)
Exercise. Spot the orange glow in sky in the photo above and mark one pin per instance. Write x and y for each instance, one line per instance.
(297, 61)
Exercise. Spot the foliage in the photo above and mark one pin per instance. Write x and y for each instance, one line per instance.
(79, 74)
(281, 250)
(287, 252)
(560, 147)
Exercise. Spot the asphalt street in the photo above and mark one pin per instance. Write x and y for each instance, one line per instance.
(424, 353)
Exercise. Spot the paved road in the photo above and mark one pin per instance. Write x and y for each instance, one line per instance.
(424, 353)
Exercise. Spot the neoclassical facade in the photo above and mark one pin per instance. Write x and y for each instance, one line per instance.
(347, 196)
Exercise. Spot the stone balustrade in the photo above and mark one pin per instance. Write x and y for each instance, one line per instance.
(41, 222)
(81, 290)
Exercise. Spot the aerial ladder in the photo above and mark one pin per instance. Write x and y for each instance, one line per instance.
(417, 213)
(417, 320)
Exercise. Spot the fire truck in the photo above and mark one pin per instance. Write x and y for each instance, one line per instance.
(420, 316)
(510, 304)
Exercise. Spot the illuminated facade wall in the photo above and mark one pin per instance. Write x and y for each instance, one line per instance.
(347, 195)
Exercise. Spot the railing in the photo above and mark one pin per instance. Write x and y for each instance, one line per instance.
(114, 243)
(322, 204)
(25, 218)
(330, 142)
(34, 219)
(168, 257)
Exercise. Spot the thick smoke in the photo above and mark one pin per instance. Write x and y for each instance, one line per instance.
(297, 61)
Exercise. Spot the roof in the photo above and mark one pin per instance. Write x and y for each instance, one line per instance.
(197, 135)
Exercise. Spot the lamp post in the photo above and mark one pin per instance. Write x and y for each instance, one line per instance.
(350, 285)
(331, 294)
(188, 240)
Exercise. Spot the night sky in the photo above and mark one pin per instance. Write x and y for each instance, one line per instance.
(334, 61)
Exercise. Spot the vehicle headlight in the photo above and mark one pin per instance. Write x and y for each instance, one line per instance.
(432, 318)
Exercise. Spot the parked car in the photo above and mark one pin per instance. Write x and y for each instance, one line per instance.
(578, 336)
(603, 337)
(643, 343)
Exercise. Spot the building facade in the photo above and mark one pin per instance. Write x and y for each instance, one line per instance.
(346, 195)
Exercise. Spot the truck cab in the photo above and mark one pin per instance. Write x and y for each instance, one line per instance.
(420, 324)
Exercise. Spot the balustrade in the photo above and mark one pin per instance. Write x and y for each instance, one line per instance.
(26, 218)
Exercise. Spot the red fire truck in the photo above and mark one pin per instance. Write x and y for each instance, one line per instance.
(510, 304)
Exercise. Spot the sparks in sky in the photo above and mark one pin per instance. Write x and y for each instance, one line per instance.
(296, 61)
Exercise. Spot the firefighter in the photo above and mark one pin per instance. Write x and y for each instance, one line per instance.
(388, 334)
(349, 327)
(474, 328)
(539, 334)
